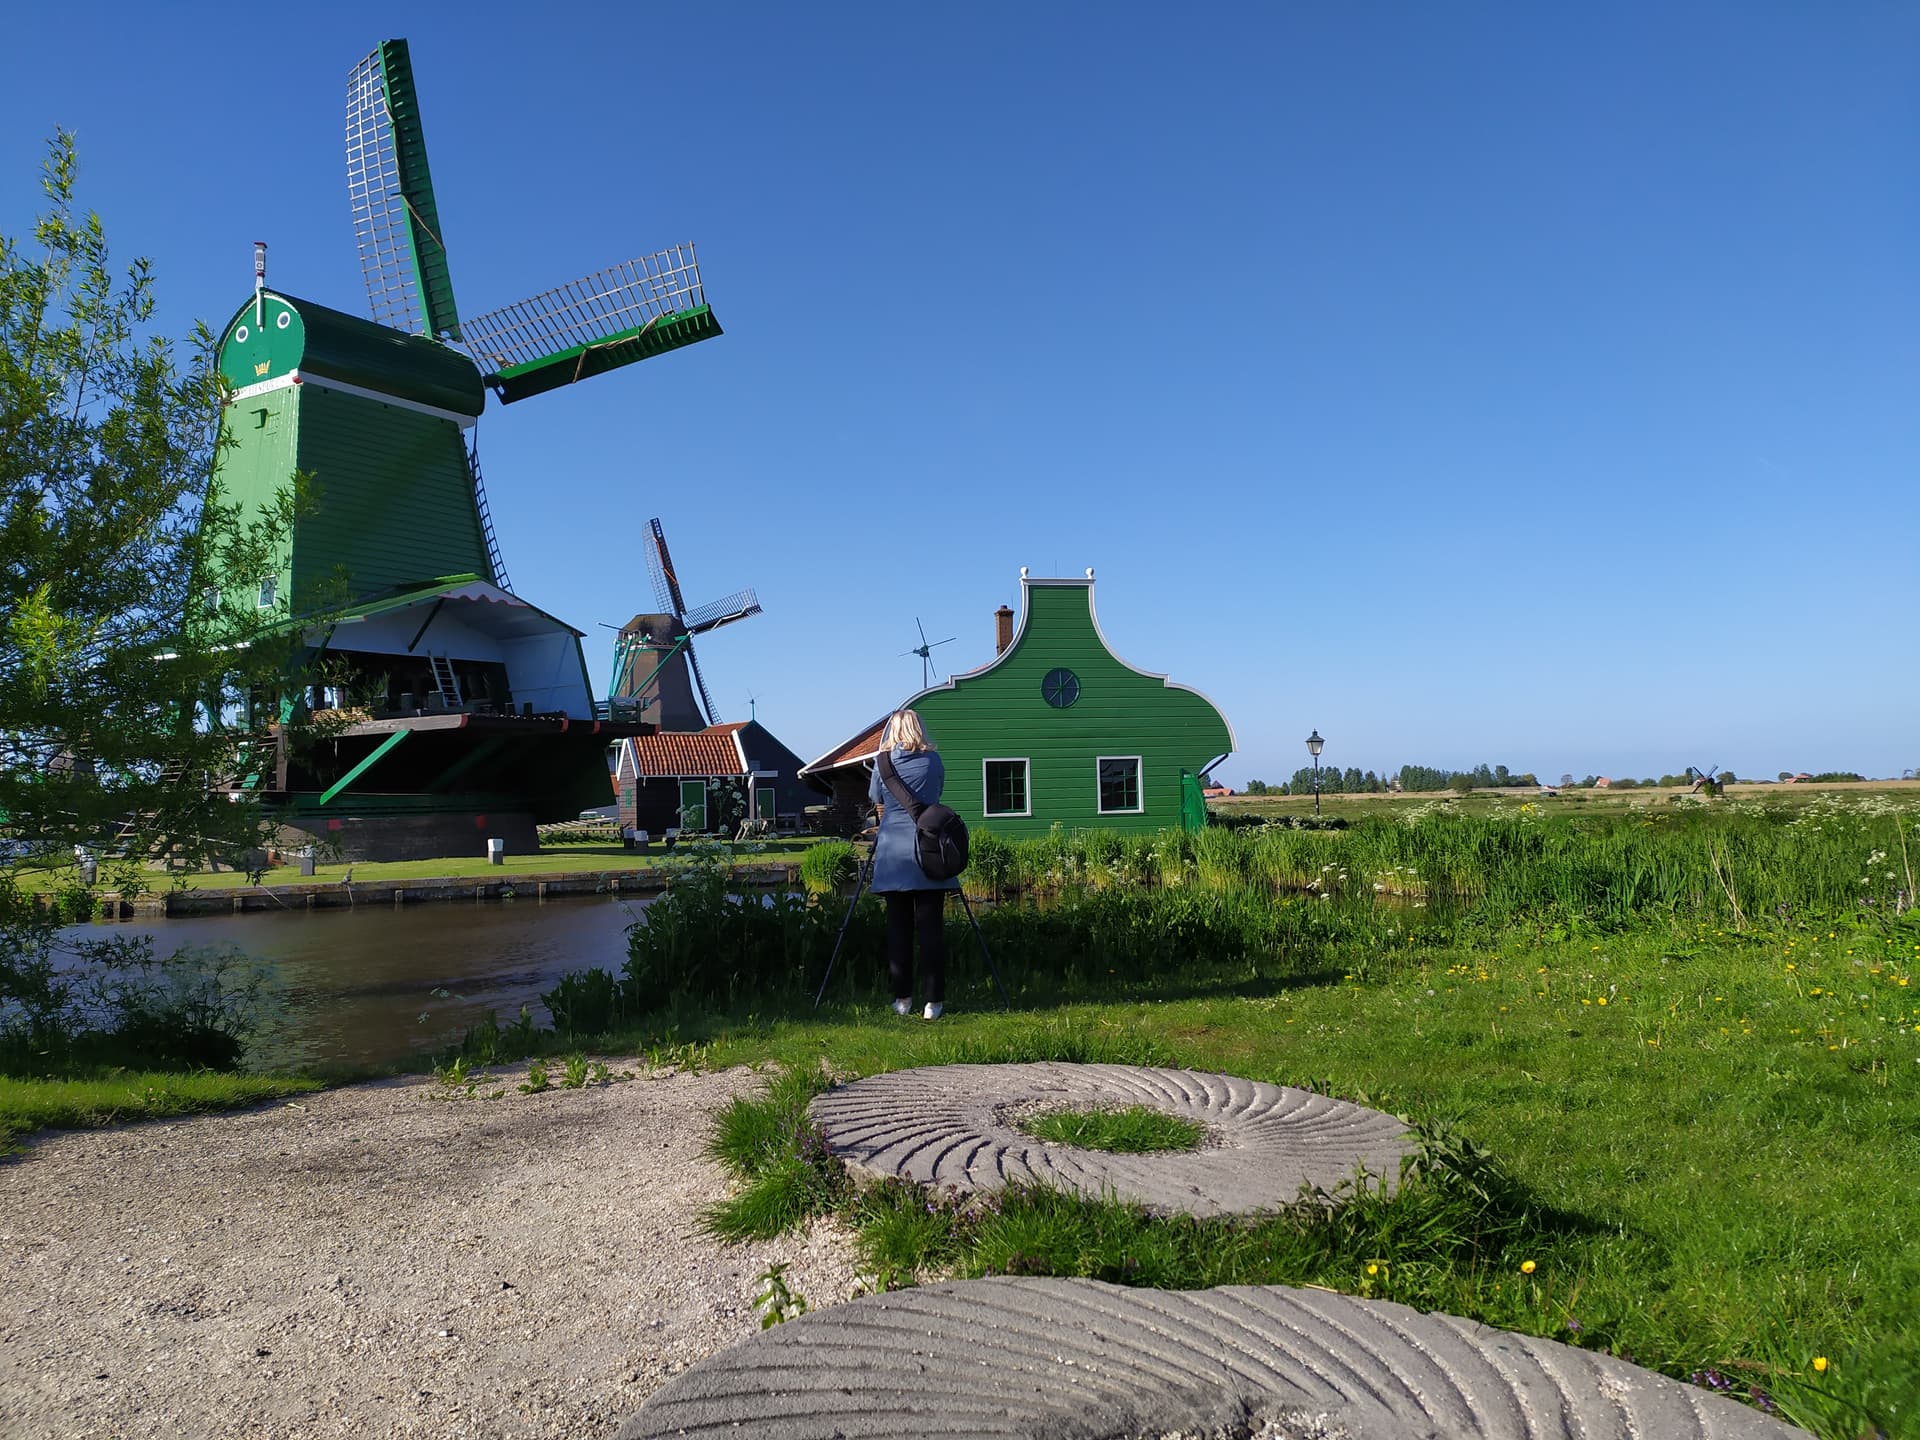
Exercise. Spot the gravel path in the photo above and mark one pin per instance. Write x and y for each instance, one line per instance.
(370, 1261)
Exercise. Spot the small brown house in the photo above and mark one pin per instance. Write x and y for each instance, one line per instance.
(706, 781)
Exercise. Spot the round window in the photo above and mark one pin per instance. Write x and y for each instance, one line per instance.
(1060, 688)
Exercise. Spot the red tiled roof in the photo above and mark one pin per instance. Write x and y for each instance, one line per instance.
(689, 752)
(860, 747)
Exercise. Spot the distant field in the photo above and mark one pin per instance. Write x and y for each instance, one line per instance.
(1476, 802)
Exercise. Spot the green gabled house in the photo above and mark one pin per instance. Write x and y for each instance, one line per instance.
(1055, 730)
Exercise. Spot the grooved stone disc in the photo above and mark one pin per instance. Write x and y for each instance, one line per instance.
(1079, 1360)
(954, 1125)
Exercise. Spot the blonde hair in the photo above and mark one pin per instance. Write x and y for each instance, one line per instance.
(905, 732)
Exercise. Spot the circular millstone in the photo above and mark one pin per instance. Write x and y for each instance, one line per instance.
(953, 1126)
(1079, 1360)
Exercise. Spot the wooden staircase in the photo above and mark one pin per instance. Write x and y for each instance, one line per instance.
(445, 681)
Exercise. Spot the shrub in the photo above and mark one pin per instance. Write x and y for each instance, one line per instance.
(586, 1002)
(828, 867)
(120, 1004)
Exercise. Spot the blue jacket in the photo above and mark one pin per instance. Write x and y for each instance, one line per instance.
(894, 865)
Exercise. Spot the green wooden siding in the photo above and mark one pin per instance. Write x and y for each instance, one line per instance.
(395, 502)
(394, 499)
(255, 469)
(1119, 712)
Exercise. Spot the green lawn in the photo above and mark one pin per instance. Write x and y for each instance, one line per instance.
(548, 860)
(1715, 1137)
(112, 1097)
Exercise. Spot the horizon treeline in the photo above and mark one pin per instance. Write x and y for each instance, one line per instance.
(1418, 779)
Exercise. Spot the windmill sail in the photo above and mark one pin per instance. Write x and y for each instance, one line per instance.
(632, 311)
(700, 683)
(666, 585)
(715, 613)
(395, 220)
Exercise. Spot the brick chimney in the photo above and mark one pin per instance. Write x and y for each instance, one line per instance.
(1002, 630)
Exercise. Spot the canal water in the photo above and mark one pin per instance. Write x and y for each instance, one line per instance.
(358, 986)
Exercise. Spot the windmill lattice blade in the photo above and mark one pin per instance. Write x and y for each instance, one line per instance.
(628, 312)
(666, 584)
(662, 596)
(395, 219)
(700, 684)
(724, 611)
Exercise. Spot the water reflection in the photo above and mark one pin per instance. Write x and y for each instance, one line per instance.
(357, 985)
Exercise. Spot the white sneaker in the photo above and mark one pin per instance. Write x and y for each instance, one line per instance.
(903, 1007)
(933, 1010)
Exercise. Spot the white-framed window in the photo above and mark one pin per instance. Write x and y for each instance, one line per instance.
(1004, 788)
(1118, 778)
(269, 592)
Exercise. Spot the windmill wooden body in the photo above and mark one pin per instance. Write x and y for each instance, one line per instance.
(394, 569)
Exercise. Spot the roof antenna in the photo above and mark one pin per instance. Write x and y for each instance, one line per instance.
(259, 282)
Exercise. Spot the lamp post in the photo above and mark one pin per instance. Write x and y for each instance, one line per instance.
(1314, 742)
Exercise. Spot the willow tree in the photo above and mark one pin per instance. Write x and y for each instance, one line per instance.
(120, 669)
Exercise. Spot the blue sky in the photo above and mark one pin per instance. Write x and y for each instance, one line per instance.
(1534, 385)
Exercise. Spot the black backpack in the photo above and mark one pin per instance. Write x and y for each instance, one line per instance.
(940, 836)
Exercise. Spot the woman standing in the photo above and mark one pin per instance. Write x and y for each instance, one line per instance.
(914, 903)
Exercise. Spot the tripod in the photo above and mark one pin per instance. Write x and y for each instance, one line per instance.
(860, 884)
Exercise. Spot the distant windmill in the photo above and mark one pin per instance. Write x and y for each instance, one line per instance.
(654, 661)
(1704, 780)
(925, 651)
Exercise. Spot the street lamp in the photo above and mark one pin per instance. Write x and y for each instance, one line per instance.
(1314, 742)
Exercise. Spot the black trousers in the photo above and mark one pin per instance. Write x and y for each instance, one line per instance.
(917, 915)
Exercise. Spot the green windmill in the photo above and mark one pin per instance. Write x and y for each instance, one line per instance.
(454, 704)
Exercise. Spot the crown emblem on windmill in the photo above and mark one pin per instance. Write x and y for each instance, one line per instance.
(655, 671)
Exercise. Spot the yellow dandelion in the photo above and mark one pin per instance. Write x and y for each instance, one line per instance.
(1601, 1001)
(1373, 1269)
(1526, 1267)
(1820, 1363)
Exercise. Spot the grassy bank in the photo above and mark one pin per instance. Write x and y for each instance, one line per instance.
(1668, 1064)
(547, 860)
(1700, 1143)
(113, 1097)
